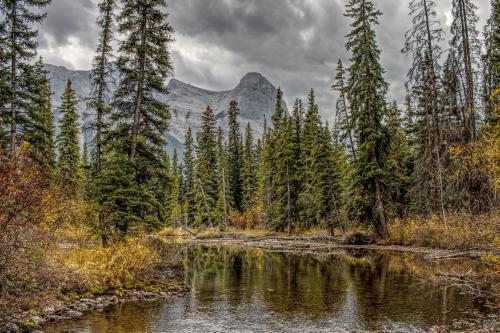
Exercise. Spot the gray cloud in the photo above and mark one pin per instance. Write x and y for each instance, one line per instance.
(70, 18)
(295, 43)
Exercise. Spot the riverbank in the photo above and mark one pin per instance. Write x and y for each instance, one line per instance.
(34, 320)
(424, 240)
(330, 245)
(80, 276)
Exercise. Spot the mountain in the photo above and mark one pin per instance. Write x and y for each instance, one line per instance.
(254, 94)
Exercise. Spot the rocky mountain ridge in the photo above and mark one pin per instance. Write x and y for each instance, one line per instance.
(254, 93)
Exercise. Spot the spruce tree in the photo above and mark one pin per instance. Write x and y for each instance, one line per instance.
(206, 169)
(297, 120)
(39, 126)
(118, 196)
(223, 185)
(162, 187)
(282, 168)
(175, 203)
(140, 116)
(144, 64)
(19, 39)
(234, 159)
(100, 97)
(266, 175)
(328, 168)
(310, 203)
(366, 95)
(189, 178)
(343, 126)
(68, 162)
(101, 80)
(249, 170)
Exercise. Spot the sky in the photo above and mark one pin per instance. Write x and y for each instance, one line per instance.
(294, 43)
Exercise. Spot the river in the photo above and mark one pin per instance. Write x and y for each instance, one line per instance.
(251, 290)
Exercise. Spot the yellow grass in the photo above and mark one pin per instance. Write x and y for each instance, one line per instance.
(98, 270)
(459, 233)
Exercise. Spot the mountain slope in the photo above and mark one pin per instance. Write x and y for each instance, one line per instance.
(254, 94)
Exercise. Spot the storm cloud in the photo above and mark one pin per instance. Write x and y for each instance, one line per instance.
(294, 43)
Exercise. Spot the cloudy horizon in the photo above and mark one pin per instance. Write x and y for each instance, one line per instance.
(293, 43)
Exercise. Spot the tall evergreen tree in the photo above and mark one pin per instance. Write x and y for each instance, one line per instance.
(223, 185)
(366, 95)
(68, 162)
(328, 181)
(189, 177)
(144, 63)
(296, 166)
(342, 124)
(312, 131)
(249, 170)
(234, 157)
(176, 193)
(100, 98)
(206, 169)
(39, 127)
(19, 38)
(101, 80)
(140, 116)
(282, 168)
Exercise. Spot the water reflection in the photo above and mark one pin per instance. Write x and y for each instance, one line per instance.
(236, 290)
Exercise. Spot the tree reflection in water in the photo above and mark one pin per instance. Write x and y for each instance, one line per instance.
(250, 290)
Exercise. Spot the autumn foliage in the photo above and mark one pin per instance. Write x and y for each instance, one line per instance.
(26, 207)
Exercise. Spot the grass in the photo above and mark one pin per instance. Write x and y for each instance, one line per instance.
(96, 270)
(459, 233)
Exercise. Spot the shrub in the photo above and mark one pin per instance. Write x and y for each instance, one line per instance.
(26, 213)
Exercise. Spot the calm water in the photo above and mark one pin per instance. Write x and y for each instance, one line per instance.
(255, 291)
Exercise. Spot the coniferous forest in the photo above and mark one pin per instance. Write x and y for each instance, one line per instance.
(422, 172)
